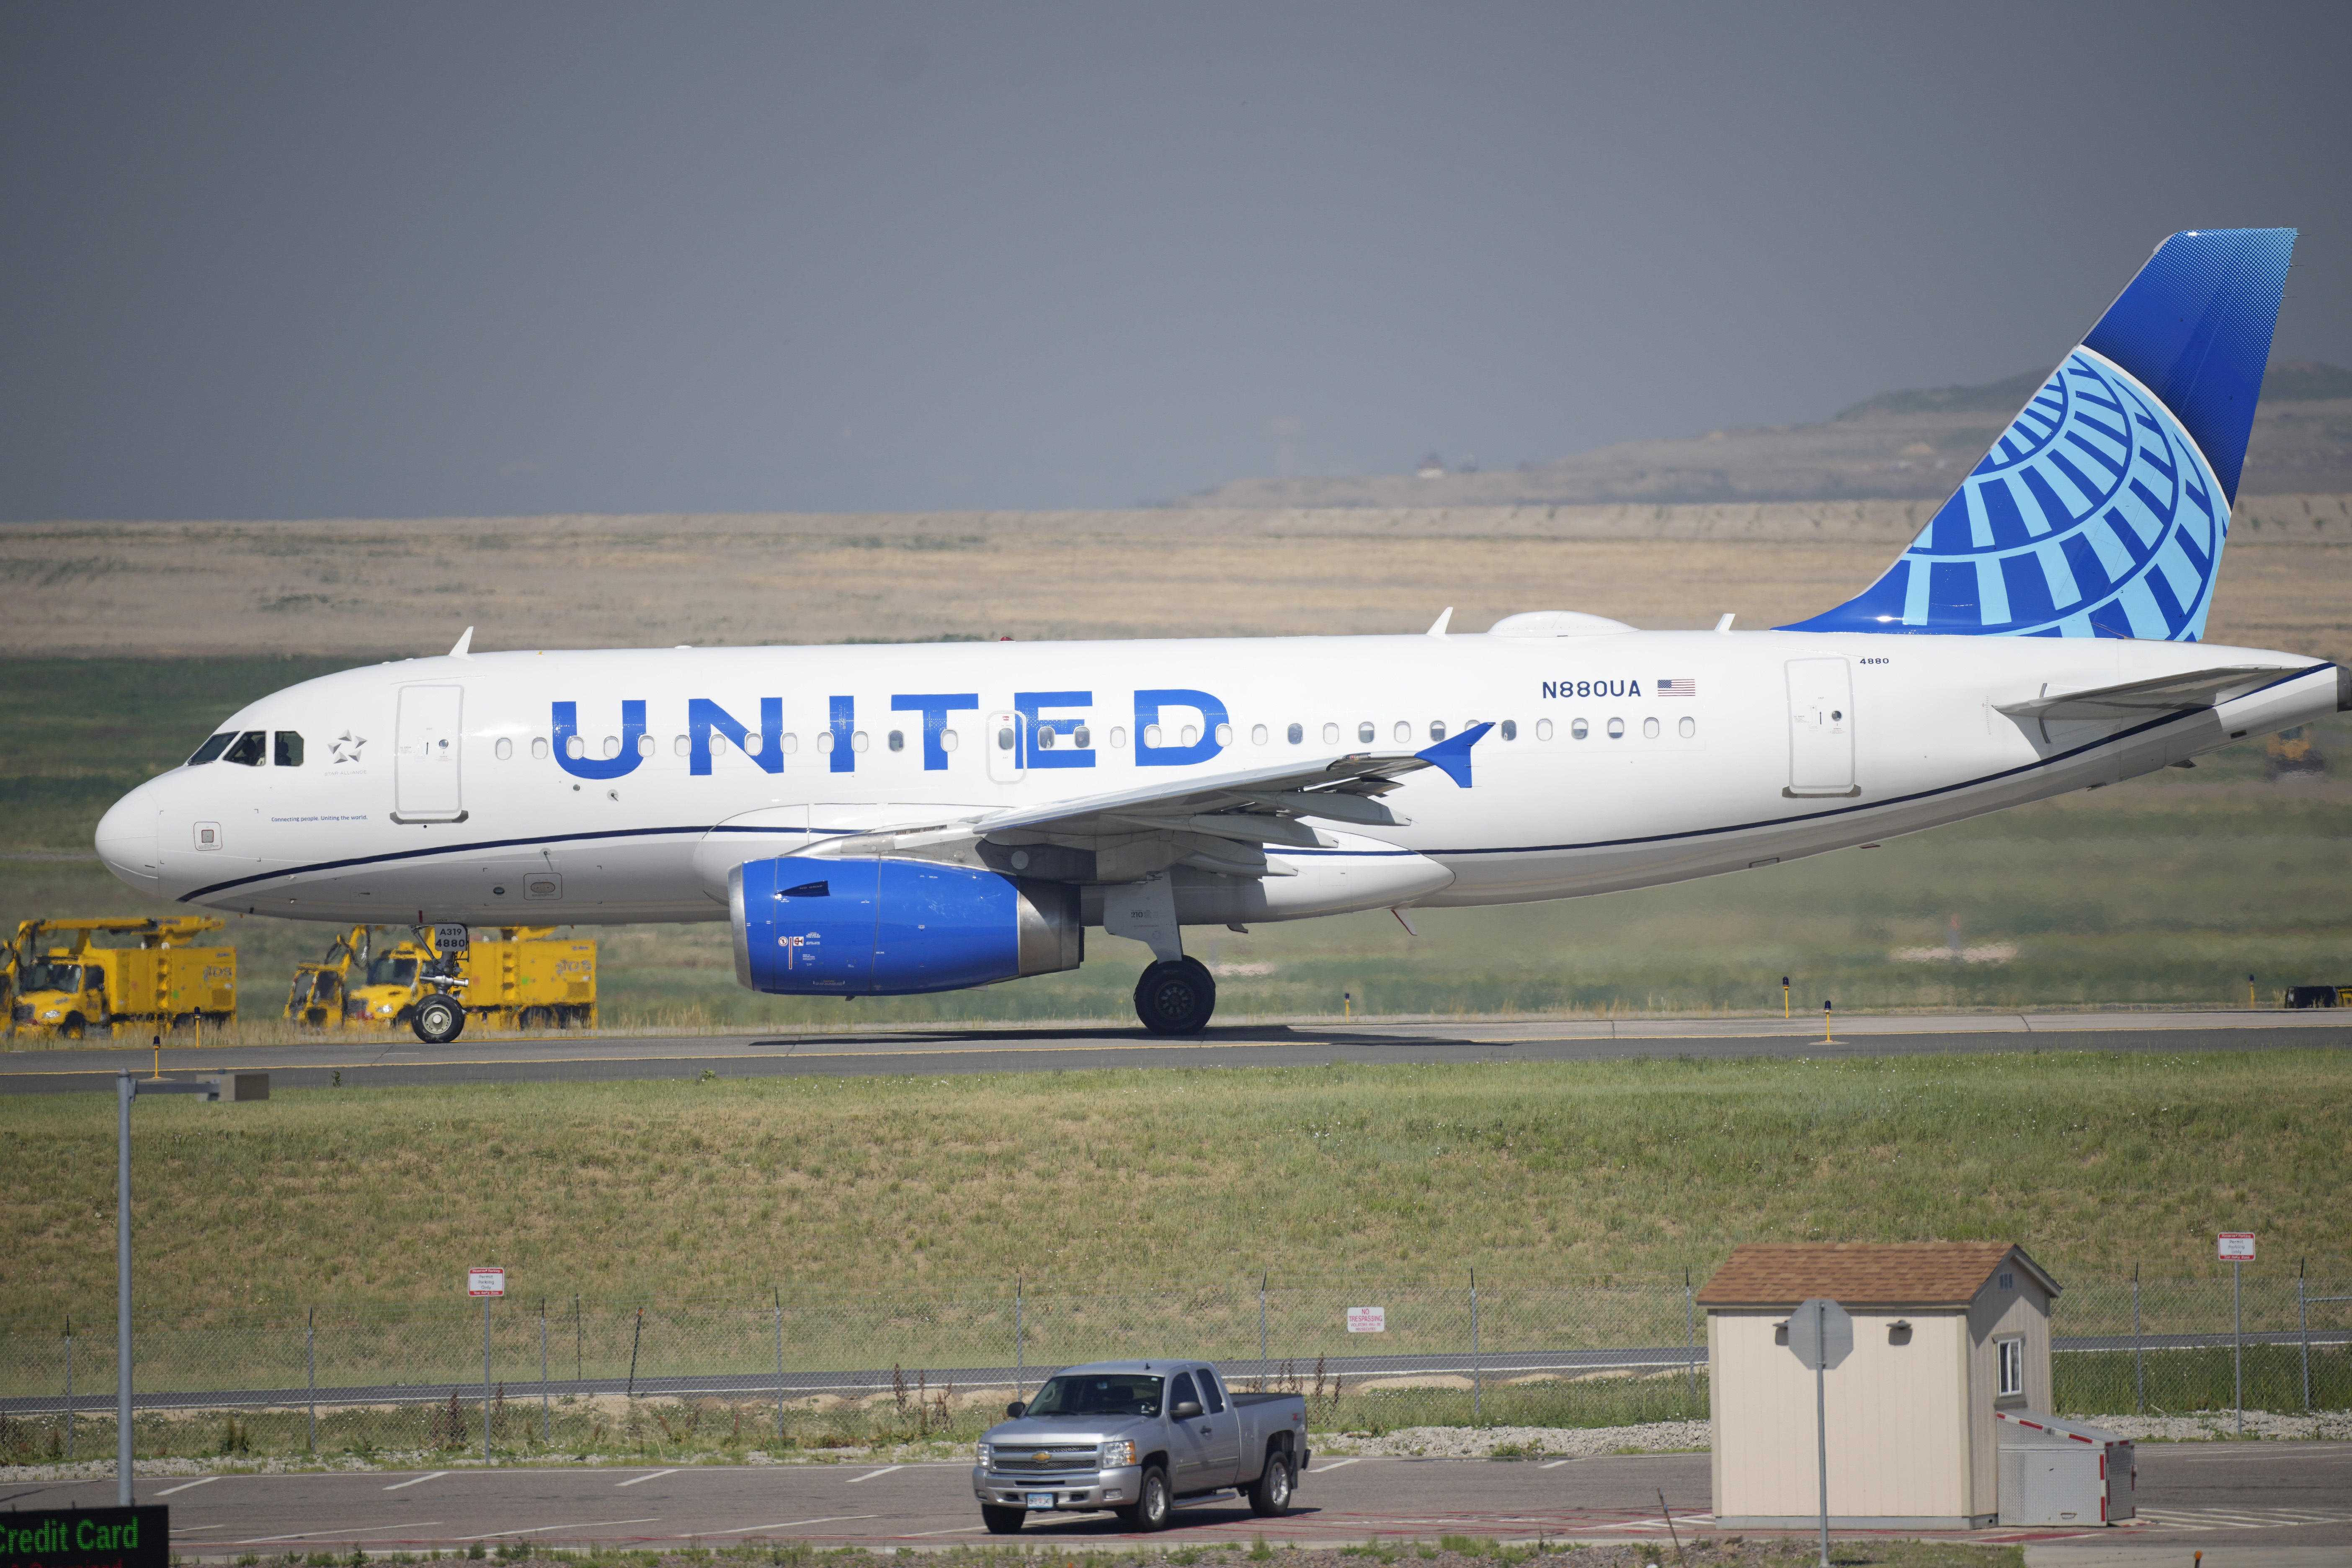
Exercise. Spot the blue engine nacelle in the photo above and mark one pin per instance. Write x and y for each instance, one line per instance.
(807, 927)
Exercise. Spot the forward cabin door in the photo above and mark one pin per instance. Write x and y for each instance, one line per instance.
(425, 756)
(1820, 728)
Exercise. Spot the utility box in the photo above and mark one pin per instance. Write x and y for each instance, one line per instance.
(2063, 1472)
(1945, 1334)
(241, 1086)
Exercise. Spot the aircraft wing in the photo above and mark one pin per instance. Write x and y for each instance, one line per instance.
(2139, 699)
(1223, 823)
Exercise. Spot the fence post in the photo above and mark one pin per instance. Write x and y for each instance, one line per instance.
(578, 1377)
(2238, 1338)
(69, 1422)
(485, 1380)
(546, 1405)
(1477, 1383)
(2139, 1352)
(311, 1372)
(1690, 1346)
(2302, 1323)
(1020, 1344)
(780, 1369)
(633, 1338)
(1261, 1330)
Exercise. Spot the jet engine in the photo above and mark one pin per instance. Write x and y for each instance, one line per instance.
(810, 927)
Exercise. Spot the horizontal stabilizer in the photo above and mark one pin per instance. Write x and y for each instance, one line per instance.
(2139, 699)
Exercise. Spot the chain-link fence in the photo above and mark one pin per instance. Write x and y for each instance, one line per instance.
(842, 1369)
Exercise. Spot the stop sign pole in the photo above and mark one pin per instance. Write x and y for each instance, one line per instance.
(1821, 1335)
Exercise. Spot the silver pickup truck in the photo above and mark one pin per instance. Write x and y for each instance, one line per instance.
(1134, 1436)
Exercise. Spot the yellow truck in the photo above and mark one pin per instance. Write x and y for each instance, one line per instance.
(523, 977)
(316, 998)
(69, 988)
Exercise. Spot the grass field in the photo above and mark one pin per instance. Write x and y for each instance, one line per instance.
(2169, 890)
(1534, 1171)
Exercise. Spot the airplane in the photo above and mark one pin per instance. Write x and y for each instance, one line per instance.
(883, 820)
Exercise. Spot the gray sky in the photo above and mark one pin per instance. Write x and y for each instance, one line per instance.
(430, 258)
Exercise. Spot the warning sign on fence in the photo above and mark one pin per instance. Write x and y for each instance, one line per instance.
(2237, 1245)
(1368, 1319)
(485, 1282)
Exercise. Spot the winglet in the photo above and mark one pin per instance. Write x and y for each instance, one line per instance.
(463, 644)
(1454, 755)
(1437, 626)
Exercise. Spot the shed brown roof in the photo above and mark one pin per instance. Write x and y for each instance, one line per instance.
(1865, 1274)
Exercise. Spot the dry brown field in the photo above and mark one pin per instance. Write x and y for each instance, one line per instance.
(373, 587)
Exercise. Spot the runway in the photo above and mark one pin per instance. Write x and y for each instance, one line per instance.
(400, 1059)
(2254, 1499)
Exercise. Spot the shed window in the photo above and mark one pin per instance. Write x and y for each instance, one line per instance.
(288, 753)
(2008, 1357)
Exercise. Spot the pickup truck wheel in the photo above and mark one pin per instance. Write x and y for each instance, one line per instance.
(1153, 1506)
(438, 1020)
(1269, 1495)
(1176, 997)
(1001, 1520)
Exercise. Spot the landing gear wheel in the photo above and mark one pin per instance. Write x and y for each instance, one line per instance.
(1002, 1520)
(1153, 1506)
(438, 1020)
(1176, 998)
(1269, 1495)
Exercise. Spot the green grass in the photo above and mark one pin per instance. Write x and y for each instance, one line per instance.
(2166, 890)
(1535, 1171)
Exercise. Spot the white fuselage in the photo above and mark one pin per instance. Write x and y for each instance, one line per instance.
(454, 804)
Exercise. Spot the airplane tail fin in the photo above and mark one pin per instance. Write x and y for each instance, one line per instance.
(2102, 510)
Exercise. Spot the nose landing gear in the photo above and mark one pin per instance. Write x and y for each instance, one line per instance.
(1176, 996)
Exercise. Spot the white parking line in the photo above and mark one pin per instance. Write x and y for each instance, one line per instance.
(871, 1474)
(965, 1529)
(337, 1534)
(1555, 1464)
(192, 1529)
(651, 1476)
(572, 1524)
(1338, 1464)
(428, 1476)
(167, 1491)
(794, 1523)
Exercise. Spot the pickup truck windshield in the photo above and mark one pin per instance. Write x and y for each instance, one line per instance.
(1098, 1394)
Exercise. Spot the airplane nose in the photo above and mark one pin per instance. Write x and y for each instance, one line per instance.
(126, 841)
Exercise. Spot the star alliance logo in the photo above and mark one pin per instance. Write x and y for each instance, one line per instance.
(346, 747)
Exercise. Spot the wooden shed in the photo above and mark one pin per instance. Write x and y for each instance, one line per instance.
(1944, 1334)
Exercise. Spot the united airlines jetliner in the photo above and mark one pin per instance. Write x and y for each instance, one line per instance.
(885, 820)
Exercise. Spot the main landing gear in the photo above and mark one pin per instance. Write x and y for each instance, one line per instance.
(1176, 996)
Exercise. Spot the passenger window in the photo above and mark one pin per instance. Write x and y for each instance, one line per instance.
(1216, 1396)
(1004, 739)
(248, 749)
(1365, 733)
(1543, 729)
(539, 748)
(645, 745)
(1510, 729)
(1687, 726)
(1616, 729)
(792, 742)
(504, 748)
(1189, 735)
(1225, 734)
(682, 746)
(1119, 737)
(1044, 737)
(898, 738)
(1330, 735)
(1649, 729)
(1181, 1390)
(212, 748)
(1577, 729)
(1437, 729)
(857, 740)
(1257, 734)
(1296, 733)
(1403, 734)
(1083, 738)
(288, 753)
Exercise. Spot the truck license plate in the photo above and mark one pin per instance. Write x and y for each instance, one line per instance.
(1041, 1500)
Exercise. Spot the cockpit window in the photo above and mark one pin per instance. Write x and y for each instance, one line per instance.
(250, 749)
(212, 748)
(393, 971)
(289, 749)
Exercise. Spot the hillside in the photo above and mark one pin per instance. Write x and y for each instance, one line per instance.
(1899, 446)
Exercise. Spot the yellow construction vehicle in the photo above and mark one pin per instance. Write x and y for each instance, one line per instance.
(69, 990)
(316, 998)
(521, 978)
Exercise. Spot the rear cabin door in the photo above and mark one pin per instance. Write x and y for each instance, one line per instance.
(1820, 728)
(424, 757)
(1222, 1441)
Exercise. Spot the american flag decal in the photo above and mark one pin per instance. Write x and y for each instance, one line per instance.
(1677, 686)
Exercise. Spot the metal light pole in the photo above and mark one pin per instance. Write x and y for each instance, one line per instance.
(125, 1088)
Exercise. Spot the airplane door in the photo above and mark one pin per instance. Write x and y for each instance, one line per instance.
(1820, 728)
(425, 756)
(1002, 736)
